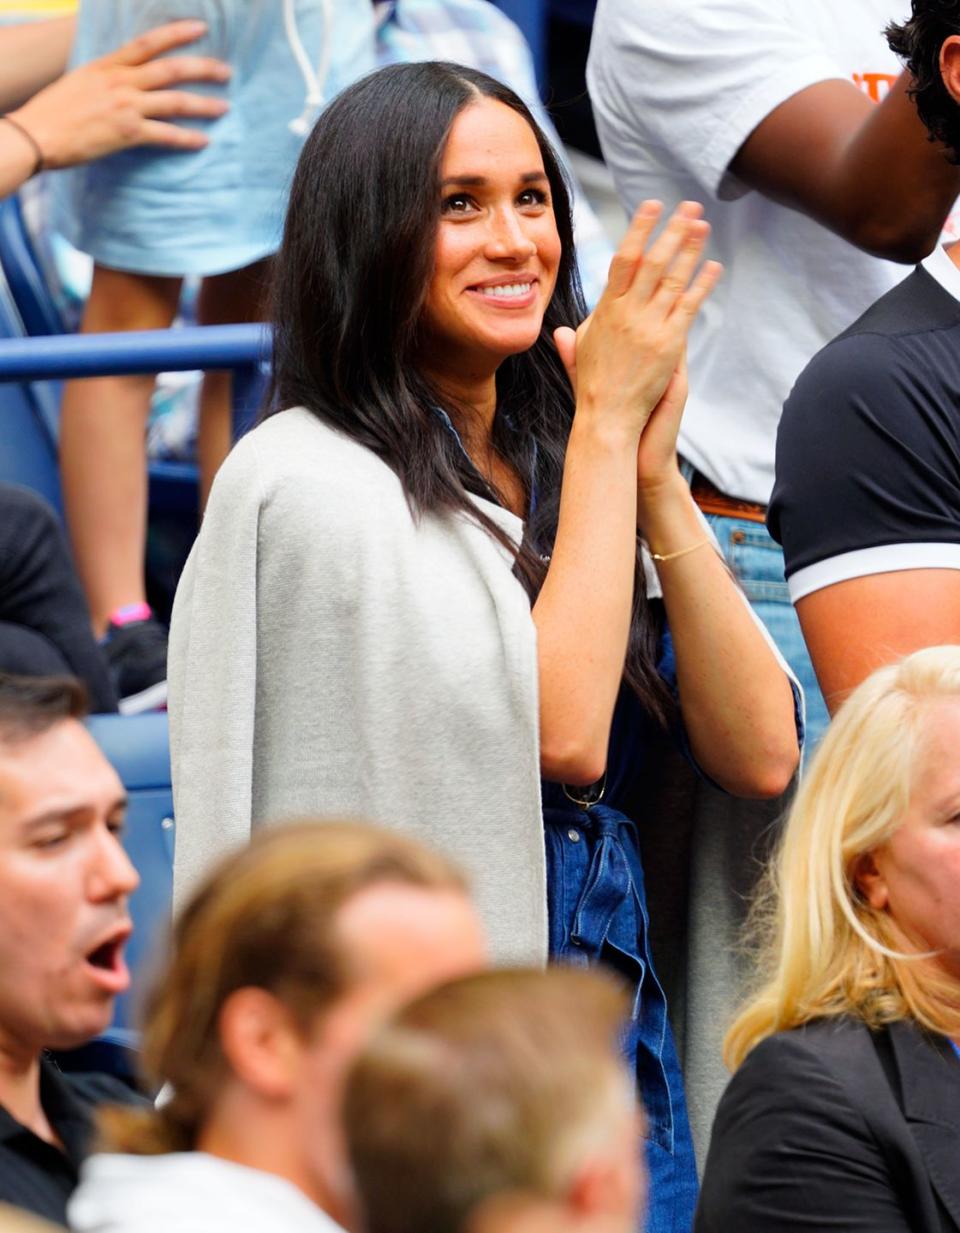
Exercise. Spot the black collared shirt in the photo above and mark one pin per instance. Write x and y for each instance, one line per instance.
(34, 1174)
(868, 450)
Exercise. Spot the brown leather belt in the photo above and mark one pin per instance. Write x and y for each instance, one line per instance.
(712, 501)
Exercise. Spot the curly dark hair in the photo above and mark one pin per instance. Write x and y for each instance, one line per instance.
(917, 42)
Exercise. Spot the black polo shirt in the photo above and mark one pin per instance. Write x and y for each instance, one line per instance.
(34, 1174)
(868, 452)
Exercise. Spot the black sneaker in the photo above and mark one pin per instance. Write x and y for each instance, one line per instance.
(137, 655)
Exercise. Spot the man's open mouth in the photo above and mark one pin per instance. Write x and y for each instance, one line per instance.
(106, 963)
(106, 955)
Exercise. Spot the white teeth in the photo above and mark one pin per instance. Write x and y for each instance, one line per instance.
(507, 290)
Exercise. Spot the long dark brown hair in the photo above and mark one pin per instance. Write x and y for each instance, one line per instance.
(349, 286)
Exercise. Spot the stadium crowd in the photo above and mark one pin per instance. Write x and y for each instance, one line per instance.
(498, 570)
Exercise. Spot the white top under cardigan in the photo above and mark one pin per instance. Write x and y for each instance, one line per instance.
(329, 655)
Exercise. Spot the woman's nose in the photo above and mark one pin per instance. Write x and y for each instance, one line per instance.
(508, 239)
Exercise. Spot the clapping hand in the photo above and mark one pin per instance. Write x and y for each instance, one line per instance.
(627, 360)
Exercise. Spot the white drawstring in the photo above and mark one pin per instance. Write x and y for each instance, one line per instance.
(313, 79)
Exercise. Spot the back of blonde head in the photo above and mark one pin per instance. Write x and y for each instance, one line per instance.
(495, 1085)
(823, 950)
(266, 917)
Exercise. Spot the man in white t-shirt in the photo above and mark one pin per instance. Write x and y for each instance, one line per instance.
(790, 119)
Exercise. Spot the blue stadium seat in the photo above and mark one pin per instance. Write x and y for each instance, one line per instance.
(28, 446)
(138, 748)
(18, 258)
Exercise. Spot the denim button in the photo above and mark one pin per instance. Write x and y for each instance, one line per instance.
(573, 835)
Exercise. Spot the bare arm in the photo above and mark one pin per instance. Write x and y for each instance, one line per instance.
(582, 614)
(735, 698)
(828, 152)
(17, 159)
(857, 626)
(621, 362)
(121, 100)
(32, 55)
(621, 472)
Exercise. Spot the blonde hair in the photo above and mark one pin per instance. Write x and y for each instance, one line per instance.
(495, 1085)
(824, 951)
(265, 918)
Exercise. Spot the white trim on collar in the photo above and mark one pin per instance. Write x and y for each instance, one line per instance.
(940, 265)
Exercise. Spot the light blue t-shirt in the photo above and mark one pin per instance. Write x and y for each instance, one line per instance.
(152, 211)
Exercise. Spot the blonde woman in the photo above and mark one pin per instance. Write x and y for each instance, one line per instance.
(844, 1109)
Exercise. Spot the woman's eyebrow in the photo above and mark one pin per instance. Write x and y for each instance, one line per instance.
(528, 177)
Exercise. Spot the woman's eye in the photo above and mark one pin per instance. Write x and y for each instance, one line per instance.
(532, 197)
(458, 203)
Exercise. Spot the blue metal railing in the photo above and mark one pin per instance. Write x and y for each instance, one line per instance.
(56, 356)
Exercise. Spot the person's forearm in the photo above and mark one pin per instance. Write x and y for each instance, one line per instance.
(31, 56)
(625, 363)
(868, 171)
(582, 614)
(898, 184)
(736, 700)
(17, 159)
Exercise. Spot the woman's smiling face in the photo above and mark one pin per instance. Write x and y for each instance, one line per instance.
(497, 248)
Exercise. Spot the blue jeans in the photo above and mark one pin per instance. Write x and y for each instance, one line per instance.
(757, 563)
(598, 914)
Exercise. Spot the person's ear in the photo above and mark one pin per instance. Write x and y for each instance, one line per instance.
(609, 1190)
(590, 1191)
(601, 1195)
(260, 1042)
(950, 66)
(870, 882)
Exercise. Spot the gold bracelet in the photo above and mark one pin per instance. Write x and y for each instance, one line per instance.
(672, 556)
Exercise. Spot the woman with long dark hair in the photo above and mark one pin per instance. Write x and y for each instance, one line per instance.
(421, 583)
